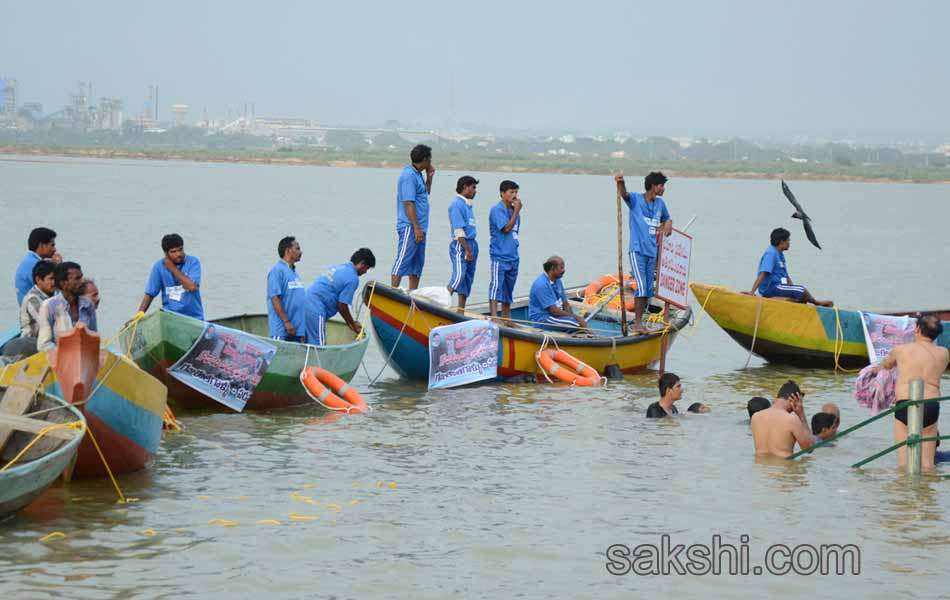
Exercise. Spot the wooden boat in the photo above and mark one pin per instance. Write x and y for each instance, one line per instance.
(28, 476)
(162, 337)
(793, 333)
(123, 405)
(402, 324)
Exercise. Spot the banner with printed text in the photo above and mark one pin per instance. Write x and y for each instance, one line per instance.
(673, 270)
(883, 332)
(225, 365)
(462, 353)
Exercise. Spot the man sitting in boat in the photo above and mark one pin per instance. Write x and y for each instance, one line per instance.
(776, 429)
(60, 313)
(41, 245)
(332, 292)
(177, 277)
(773, 280)
(286, 294)
(90, 290)
(44, 286)
(671, 390)
(548, 307)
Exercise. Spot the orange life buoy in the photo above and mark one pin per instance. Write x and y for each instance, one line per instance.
(338, 396)
(560, 364)
(595, 291)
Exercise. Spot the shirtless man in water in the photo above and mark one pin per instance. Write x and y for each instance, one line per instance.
(923, 359)
(776, 429)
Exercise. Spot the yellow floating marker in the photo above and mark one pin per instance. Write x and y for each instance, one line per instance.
(302, 498)
(268, 522)
(222, 522)
(354, 501)
(379, 484)
(148, 532)
(299, 517)
(392, 485)
(203, 497)
(309, 486)
(356, 484)
(52, 536)
(334, 507)
(242, 498)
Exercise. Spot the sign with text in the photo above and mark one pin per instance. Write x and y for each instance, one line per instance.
(883, 332)
(462, 353)
(224, 364)
(673, 270)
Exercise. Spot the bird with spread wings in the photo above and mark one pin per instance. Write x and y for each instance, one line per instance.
(800, 214)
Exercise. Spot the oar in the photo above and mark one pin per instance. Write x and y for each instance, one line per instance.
(600, 306)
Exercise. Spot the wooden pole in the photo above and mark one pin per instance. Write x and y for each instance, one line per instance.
(623, 303)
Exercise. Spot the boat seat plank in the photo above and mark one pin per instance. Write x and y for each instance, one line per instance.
(29, 425)
(18, 398)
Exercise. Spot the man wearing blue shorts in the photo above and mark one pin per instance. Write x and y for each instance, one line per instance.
(548, 307)
(648, 215)
(286, 294)
(332, 292)
(412, 216)
(773, 280)
(504, 223)
(177, 277)
(463, 249)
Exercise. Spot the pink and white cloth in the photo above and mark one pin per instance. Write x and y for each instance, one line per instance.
(875, 391)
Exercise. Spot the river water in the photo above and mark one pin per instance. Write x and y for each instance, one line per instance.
(492, 491)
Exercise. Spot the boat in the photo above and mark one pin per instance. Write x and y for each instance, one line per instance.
(161, 337)
(793, 333)
(123, 405)
(402, 324)
(23, 477)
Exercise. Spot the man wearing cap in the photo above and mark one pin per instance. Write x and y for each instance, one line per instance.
(504, 223)
(463, 249)
(412, 216)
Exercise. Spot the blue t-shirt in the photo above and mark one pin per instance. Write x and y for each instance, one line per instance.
(645, 218)
(412, 188)
(504, 246)
(461, 216)
(23, 280)
(175, 297)
(283, 281)
(773, 263)
(338, 284)
(544, 294)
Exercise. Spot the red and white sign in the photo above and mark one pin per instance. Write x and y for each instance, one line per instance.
(673, 270)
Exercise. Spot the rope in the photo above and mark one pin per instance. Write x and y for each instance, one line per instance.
(412, 307)
(839, 335)
(703, 308)
(755, 333)
(369, 304)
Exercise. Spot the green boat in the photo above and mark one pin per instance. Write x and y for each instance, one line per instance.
(162, 337)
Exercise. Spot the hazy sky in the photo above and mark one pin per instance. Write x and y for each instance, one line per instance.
(844, 68)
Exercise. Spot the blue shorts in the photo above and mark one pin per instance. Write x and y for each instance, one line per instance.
(410, 256)
(504, 274)
(299, 339)
(552, 323)
(781, 290)
(463, 271)
(316, 327)
(643, 269)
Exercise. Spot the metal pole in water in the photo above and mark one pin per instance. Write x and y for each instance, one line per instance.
(915, 425)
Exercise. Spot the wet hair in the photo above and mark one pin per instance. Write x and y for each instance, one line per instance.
(61, 272)
(364, 255)
(757, 403)
(821, 421)
(42, 269)
(508, 185)
(284, 244)
(930, 325)
(654, 178)
(788, 389)
(779, 235)
(694, 407)
(40, 235)
(463, 182)
(420, 153)
(172, 241)
(667, 381)
(550, 262)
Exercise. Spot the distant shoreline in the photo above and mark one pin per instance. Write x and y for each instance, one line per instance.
(509, 164)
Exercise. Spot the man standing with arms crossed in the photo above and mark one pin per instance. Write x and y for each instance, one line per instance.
(412, 216)
(648, 214)
(504, 223)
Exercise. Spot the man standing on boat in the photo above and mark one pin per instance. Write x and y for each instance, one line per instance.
(286, 294)
(63, 311)
(333, 292)
(463, 249)
(412, 216)
(773, 280)
(648, 215)
(41, 245)
(548, 307)
(177, 277)
(504, 223)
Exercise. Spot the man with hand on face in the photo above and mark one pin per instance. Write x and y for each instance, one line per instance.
(286, 294)
(412, 216)
(463, 249)
(333, 291)
(504, 225)
(41, 245)
(59, 314)
(177, 277)
(776, 429)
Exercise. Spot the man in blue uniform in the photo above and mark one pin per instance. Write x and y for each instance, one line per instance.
(504, 224)
(177, 277)
(412, 216)
(41, 245)
(773, 280)
(648, 215)
(463, 249)
(548, 307)
(286, 294)
(332, 292)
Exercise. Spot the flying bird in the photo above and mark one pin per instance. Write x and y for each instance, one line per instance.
(800, 214)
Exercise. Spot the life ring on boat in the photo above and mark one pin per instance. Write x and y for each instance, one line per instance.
(594, 295)
(560, 364)
(331, 391)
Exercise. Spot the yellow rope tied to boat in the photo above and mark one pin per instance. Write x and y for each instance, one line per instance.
(839, 343)
(369, 306)
(79, 426)
(703, 308)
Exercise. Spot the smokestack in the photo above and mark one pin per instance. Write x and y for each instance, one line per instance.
(156, 104)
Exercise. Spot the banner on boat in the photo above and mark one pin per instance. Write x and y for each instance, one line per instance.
(883, 332)
(673, 270)
(225, 365)
(462, 353)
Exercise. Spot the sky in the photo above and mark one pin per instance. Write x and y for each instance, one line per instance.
(842, 69)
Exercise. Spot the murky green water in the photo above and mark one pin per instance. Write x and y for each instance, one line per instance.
(493, 491)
